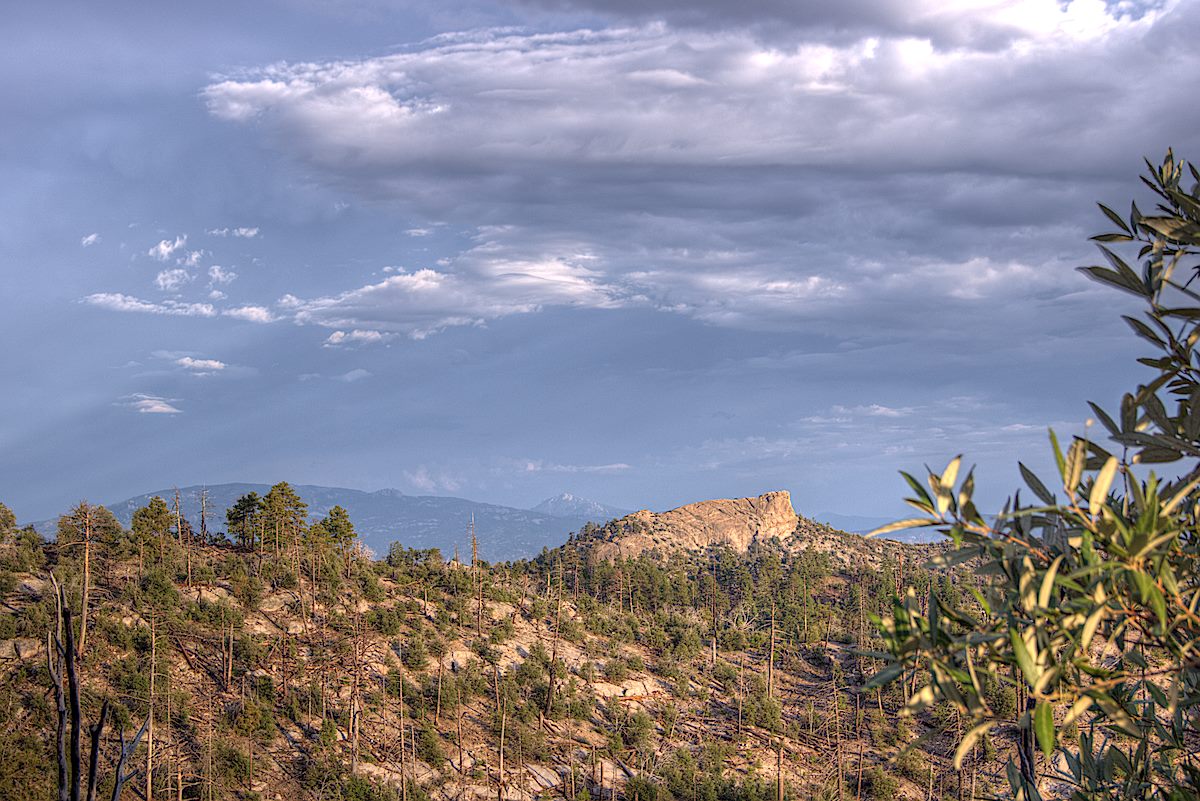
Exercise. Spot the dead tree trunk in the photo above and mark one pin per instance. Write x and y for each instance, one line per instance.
(94, 732)
(54, 666)
(127, 749)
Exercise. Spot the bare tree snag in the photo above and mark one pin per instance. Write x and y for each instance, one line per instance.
(95, 732)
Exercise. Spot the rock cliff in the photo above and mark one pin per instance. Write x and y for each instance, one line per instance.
(736, 523)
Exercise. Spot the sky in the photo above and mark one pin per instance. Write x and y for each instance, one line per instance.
(646, 252)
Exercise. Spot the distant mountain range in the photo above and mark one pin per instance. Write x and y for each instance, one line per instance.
(568, 505)
(388, 515)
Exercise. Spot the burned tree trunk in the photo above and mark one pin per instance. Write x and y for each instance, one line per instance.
(95, 732)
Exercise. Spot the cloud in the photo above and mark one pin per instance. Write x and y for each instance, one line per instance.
(115, 301)
(200, 366)
(973, 23)
(173, 279)
(242, 233)
(219, 275)
(880, 175)
(166, 248)
(537, 466)
(427, 301)
(493, 99)
(357, 374)
(89, 240)
(251, 314)
(873, 410)
(192, 258)
(427, 480)
(356, 337)
(150, 404)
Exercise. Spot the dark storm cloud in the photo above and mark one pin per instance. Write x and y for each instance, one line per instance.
(946, 24)
(753, 185)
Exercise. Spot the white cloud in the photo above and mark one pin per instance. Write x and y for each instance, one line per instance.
(419, 231)
(192, 258)
(201, 366)
(537, 466)
(768, 183)
(166, 248)
(486, 286)
(216, 294)
(89, 240)
(428, 480)
(115, 301)
(357, 374)
(150, 404)
(251, 314)
(356, 337)
(243, 233)
(173, 279)
(873, 410)
(962, 23)
(219, 275)
(759, 185)
(659, 95)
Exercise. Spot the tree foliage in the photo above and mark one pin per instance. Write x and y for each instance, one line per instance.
(1090, 592)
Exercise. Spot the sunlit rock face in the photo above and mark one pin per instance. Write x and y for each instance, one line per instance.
(735, 522)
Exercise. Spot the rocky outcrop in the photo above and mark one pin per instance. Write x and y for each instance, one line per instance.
(736, 523)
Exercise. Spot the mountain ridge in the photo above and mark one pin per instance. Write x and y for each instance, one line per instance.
(567, 504)
(382, 517)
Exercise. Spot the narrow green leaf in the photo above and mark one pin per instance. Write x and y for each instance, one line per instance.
(886, 676)
(1181, 496)
(969, 740)
(1035, 484)
(950, 474)
(1116, 218)
(1076, 456)
(1043, 726)
(1101, 486)
(1090, 625)
(1024, 659)
(1058, 454)
(1048, 583)
(1081, 705)
(912, 522)
(1113, 278)
(1105, 419)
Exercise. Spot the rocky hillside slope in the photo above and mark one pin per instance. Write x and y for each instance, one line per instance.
(301, 670)
(738, 524)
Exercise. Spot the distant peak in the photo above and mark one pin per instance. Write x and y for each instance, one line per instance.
(567, 504)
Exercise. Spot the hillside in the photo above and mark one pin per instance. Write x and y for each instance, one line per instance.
(739, 525)
(297, 669)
